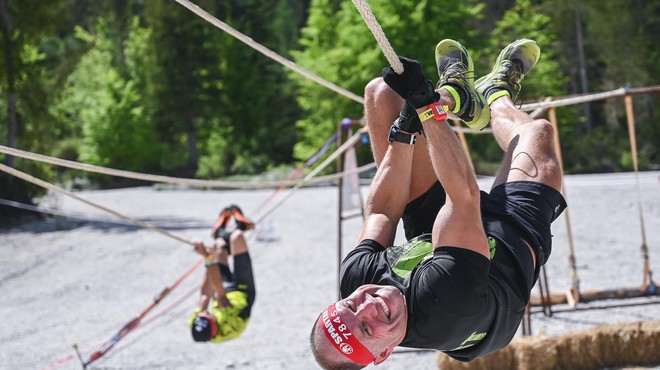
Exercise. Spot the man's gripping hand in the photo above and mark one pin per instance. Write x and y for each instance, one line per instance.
(412, 84)
(408, 120)
(199, 248)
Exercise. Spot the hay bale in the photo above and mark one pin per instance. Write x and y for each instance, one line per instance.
(636, 343)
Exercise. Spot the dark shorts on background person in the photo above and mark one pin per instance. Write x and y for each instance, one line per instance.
(241, 279)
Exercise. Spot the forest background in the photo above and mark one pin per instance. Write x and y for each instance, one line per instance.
(148, 86)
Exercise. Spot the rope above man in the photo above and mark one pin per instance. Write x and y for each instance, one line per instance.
(461, 282)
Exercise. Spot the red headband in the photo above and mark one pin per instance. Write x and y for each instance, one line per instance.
(342, 338)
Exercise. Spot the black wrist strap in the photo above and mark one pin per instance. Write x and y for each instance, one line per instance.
(400, 136)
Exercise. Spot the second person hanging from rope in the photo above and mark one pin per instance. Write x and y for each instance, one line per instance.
(226, 296)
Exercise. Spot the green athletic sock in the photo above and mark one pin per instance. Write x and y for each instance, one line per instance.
(460, 96)
(497, 93)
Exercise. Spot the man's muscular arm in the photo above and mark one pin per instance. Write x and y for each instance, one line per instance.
(388, 194)
(458, 223)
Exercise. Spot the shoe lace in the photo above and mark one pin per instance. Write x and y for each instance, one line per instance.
(457, 70)
(511, 74)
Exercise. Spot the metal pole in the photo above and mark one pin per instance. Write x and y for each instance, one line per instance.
(340, 183)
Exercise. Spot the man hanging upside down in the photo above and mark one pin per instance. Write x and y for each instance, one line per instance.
(230, 295)
(461, 283)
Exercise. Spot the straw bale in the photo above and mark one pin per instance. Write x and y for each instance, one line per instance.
(635, 343)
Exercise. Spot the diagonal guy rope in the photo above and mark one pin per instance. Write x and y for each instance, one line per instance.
(39, 182)
(168, 179)
(267, 52)
(377, 30)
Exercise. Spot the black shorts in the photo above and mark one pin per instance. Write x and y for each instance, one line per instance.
(512, 211)
(241, 279)
(419, 215)
(523, 210)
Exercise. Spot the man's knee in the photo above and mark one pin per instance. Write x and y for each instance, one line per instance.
(382, 104)
(374, 88)
(237, 236)
(541, 132)
(380, 96)
(237, 242)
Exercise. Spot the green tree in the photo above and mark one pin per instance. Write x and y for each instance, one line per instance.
(231, 106)
(619, 50)
(31, 70)
(338, 46)
(109, 101)
(525, 19)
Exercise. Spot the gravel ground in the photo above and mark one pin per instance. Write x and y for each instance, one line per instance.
(66, 281)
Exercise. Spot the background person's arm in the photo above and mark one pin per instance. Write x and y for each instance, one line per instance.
(212, 281)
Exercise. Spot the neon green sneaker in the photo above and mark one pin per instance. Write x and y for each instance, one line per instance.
(456, 72)
(511, 66)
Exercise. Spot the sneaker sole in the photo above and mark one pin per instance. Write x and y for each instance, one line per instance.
(451, 44)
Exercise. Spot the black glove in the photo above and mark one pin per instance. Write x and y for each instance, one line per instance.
(408, 120)
(412, 84)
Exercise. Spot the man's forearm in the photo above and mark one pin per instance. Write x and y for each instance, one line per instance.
(450, 163)
(206, 293)
(215, 279)
(390, 187)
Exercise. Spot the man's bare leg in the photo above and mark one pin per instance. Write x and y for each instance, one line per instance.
(528, 144)
(237, 243)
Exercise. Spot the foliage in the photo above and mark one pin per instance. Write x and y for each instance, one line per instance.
(523, 20)
(339, 47)
(149, 86)
(30, 72)
(112, 107)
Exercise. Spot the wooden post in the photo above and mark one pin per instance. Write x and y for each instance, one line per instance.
(573, 293)
(630, 114)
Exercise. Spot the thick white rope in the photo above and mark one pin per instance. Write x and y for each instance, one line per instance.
(39, 182)
(267, 52)
(167, 179)
(379, 35)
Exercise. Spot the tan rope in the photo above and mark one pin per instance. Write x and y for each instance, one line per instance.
(630, 114)
(574, 100)
(379, 35)
(267, 52)
(164, 179)
(39, 182)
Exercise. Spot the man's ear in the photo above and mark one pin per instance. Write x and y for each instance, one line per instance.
(383, 355)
